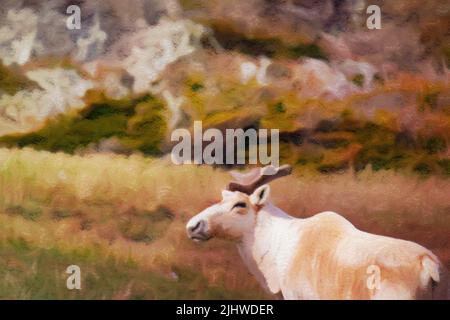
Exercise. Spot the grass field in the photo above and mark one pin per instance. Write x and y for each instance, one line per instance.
(122, 220)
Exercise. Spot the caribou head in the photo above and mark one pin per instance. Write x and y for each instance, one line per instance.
(235, 215)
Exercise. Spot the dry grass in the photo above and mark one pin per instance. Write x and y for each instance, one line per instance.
(136, 208)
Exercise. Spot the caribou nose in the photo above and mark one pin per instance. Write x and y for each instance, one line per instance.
(195, 227)
(197, 230)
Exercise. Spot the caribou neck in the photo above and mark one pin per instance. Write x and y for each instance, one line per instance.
(261, 248)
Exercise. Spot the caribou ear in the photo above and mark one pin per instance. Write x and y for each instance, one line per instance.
(260, 195)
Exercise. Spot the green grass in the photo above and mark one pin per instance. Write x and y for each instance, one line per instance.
(139, 124)
(445, 166)
(145, 226)
(358, 80)
(197, 86)
(28, 272)
(272, 47)
(12, 80)
(29, 210)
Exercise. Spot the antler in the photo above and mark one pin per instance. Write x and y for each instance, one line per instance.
(248, 182)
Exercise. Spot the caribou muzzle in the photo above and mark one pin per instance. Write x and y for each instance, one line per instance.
(197, 230)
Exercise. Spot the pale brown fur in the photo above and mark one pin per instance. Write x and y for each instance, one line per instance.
(321, 255)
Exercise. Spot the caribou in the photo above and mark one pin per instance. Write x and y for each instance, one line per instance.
(320, 257)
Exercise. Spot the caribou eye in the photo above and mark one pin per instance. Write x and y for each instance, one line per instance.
(240, 205)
